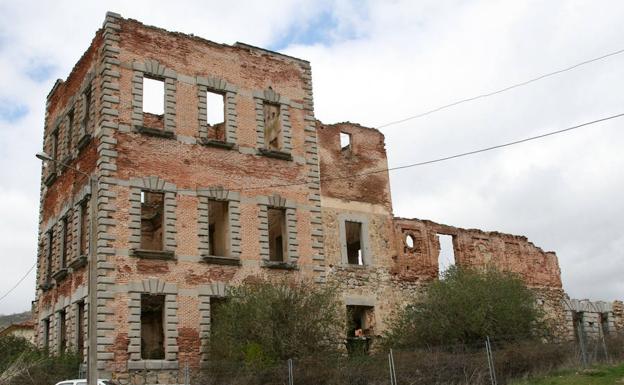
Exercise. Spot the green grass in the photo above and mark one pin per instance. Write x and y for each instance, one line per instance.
(598, 375)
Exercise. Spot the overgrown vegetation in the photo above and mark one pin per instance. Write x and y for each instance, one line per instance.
(265, 322)
(466, 306)
(600, 375)
(21, 363)
(462, 365)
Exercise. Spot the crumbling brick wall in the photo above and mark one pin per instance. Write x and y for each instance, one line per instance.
(357, 173)
(480, 249)
(473, 248)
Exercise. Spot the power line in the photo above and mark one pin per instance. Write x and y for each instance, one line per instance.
(18, 282)
(485, 95)
(445, 158)
(437, 160)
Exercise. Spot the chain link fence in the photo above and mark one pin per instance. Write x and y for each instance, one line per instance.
(493, 361)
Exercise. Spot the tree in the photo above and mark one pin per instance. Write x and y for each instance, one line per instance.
(264, 322)
(466, 306)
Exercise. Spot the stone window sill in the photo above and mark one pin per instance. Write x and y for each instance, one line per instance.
(275, 154)
(220, 260)
(60, 275)
(78, 262)
(83, 141)
(152, 365)
(217, 143)
(50, 179)
(152, 254)
(354, 266)
(279, 265)
(155, 132)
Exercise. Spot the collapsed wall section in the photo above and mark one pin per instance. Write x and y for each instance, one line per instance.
(472, 248)
(418, 258)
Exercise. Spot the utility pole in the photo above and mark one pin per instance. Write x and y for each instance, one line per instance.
(92, 370)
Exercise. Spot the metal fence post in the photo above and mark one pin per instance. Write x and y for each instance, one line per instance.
(490, 360)
(393, 379)
(290, 372)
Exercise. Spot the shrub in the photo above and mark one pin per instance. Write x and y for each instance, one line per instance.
(21, 363)
(264, 322)
(464, 307)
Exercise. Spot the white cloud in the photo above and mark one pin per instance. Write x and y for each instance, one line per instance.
(386, 61)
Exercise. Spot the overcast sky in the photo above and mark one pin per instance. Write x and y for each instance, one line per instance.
(376, 62)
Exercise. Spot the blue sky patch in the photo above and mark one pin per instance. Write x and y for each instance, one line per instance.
(12, 112)
(317, 30)
(40, 71)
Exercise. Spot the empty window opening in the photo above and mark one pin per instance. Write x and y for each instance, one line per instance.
(62, 324)
(153, 102)
(355, 255)
(360, 328)
(345, 141)
(446, 258)
(218, 229)
(272, 127)
(604, 323)
(87, 108)
(49, 255)
(84, 227)
(80, 318)
(54, 152)
(577, 325)
(215, 116)
(46, 333)
(152, 210)
(409, 241)
(277, 235)
(152, 327)
(216, 306)
(70, 130)
(64, 241)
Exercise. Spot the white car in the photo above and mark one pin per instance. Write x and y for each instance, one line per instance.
(84, 382)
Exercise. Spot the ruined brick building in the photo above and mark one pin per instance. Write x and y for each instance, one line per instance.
(233, 177)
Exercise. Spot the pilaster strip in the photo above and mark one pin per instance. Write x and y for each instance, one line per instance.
(313, 176)
(106, 123)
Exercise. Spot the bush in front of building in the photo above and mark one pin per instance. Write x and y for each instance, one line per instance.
(21, 363)
(464, 307)
(264, 322)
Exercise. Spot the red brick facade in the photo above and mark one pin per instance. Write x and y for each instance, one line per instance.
(305, 179)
